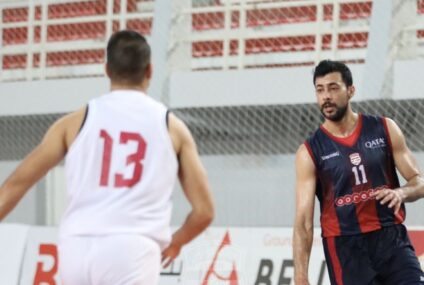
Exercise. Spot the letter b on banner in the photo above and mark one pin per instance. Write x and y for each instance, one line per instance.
(47, 268)
(265, 272)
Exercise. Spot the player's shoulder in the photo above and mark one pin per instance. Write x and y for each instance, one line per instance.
(176, 124)
(180, 133)
(369, 119)
(66, 126)
(392, 127)
(390, 122)
(70, 118)
(304, 157)
(302, 148)
(316, 135)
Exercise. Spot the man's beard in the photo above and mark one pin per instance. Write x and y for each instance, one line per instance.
(338, 115)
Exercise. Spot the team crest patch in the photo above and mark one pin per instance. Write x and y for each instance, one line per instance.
(355, 158)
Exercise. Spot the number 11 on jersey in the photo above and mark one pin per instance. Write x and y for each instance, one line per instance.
(359, 173)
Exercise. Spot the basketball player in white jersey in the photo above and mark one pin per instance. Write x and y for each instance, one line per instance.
(123, 153)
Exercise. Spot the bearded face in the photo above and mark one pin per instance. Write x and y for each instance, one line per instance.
(333, 96)
(333, 112)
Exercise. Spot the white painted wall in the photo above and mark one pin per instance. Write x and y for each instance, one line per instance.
(49, 96)
(408, 81)
(202, 89)
(248, 87)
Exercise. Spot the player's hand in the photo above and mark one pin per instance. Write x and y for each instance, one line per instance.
(169, 254)
(392, 197)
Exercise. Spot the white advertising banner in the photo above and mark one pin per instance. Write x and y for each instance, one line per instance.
(40, 265)
(230, 256)
(12, 246)
(241, 256)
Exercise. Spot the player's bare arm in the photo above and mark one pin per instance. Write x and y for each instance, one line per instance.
(45, 156)
(408, 168)
(303, 226)
(194, 183)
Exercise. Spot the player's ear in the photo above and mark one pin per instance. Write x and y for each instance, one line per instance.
(351, 91)
(149, 71)
(107, 70)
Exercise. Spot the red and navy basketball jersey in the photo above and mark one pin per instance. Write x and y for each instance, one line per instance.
(348, 171)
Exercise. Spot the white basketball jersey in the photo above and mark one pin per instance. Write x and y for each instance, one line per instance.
(121, 170)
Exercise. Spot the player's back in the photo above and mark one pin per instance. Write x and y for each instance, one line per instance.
(121, 169)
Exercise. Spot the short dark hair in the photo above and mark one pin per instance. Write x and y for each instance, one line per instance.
(128, 55)
(328, 66)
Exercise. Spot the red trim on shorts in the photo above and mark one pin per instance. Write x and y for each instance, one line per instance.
(311, 154)
(337, 268)
(350, 140)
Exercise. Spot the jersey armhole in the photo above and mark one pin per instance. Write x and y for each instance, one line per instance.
(169, 136)
(84, 120)
(311, 154)
(386, 129)
(167, 118)
(82, 130)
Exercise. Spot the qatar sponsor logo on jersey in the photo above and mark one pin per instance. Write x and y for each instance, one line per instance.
(375, 143)
(331, 155)
(355, 158)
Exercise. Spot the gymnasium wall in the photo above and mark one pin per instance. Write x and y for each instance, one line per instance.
(250, 190)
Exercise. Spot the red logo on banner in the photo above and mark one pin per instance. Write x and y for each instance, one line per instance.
(417, 239)
(43, 276)
(233, 277)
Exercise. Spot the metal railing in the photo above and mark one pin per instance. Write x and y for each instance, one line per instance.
(41, 48)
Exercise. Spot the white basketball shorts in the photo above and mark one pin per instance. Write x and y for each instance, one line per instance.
(109, 260)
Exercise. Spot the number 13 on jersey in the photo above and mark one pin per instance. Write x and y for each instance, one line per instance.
(134, 158)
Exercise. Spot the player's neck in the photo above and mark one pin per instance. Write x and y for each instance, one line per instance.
(345, 127)
(142, 87)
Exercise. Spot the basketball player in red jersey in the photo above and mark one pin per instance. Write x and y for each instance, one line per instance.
(350, 164)
(123, 153)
